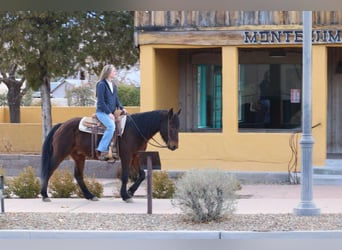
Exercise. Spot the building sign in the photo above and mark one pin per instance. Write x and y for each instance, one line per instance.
(290, 36)
(295, 95)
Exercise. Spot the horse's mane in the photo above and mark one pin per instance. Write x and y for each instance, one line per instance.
(147, 122)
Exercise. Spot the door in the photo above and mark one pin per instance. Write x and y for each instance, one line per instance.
(334, 119)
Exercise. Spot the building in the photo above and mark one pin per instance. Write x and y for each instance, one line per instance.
(237, 76)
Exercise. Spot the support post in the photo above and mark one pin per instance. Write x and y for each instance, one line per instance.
(149, 185)
(149, 160)
(2, 197)
(306, 206)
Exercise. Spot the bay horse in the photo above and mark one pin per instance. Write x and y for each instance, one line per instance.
(65, 139)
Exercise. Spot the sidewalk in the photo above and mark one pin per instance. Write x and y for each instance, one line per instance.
(253, 199)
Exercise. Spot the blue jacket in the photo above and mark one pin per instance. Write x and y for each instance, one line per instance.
(107, 101)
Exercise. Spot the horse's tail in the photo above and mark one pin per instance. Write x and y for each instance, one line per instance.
(47, 150)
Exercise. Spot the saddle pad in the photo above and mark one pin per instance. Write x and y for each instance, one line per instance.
(87, 124)
(89, 128)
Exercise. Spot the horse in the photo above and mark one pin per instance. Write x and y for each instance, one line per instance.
(65, 139)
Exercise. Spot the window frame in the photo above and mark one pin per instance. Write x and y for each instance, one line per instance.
(294, 57)
(189, 59)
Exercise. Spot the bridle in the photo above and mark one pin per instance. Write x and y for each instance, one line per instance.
(156, 144)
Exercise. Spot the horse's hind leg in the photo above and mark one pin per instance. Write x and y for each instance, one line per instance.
(43, 189)
(45, 179)
(79, 176)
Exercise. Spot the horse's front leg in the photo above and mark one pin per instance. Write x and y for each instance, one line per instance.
(79, 176)
(124, 180)
(137, 183)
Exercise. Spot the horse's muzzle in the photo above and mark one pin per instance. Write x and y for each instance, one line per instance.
(172, 146)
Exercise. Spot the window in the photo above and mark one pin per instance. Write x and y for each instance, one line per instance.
(209, 96)
(201, 89)
(270, 86)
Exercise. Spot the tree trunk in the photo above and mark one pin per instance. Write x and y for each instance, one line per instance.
(14, 99)
(14, 94)
(46, 107)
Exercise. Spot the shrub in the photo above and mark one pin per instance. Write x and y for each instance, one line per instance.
(62, 184)
(95, 187)
(206, 195)
(26, 184)
(163, 187)
(6, 191)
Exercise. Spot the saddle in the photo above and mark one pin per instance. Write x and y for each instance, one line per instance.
(93, 126)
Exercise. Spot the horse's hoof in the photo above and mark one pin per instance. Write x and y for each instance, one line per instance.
(129, 200)
(94, 199)
(46, 199)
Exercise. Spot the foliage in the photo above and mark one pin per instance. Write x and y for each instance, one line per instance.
(205, 195)
(81, 96)
(163, 187)
(27, 98)
(48, 44)
(129, 95)
(26, 184)
(3, 100)
(6, 191)
(62, 184)
(109, 38)
(94, 186)
(38, 41)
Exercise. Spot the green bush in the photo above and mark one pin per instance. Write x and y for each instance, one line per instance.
(26, 184)
(6, 191)
(129, 95)
(206, 195)
(163, 187)
(94, 186)
(62, 184)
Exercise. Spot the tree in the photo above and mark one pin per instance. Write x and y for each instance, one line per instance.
(48, 44)
(81, 96)
(53, 38)
(109, 38)
(10, 67)
(15, 91)
(39, 42)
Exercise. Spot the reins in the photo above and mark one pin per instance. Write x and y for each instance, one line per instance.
(158, 144)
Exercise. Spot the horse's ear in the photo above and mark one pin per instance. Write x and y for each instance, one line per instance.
(170, 113)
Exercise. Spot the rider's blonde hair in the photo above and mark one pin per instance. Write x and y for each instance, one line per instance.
(106, 71)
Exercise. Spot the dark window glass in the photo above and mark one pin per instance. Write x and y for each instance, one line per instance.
(270, 88)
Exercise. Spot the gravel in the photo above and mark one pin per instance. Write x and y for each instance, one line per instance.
(167, 222)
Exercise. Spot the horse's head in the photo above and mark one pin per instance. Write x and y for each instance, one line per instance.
(170, 128)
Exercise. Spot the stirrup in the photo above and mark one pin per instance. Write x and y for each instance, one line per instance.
(115, 155)
(103, 157)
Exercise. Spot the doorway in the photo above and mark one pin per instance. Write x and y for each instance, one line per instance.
(334, 119)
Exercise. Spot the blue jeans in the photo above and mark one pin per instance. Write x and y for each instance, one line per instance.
(108, 133)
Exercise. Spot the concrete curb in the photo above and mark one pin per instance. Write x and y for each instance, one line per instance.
(150, 235)
(81, 234)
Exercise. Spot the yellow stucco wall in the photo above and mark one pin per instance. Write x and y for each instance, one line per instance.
(26, 137)
(229, 150)
(167, 78)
